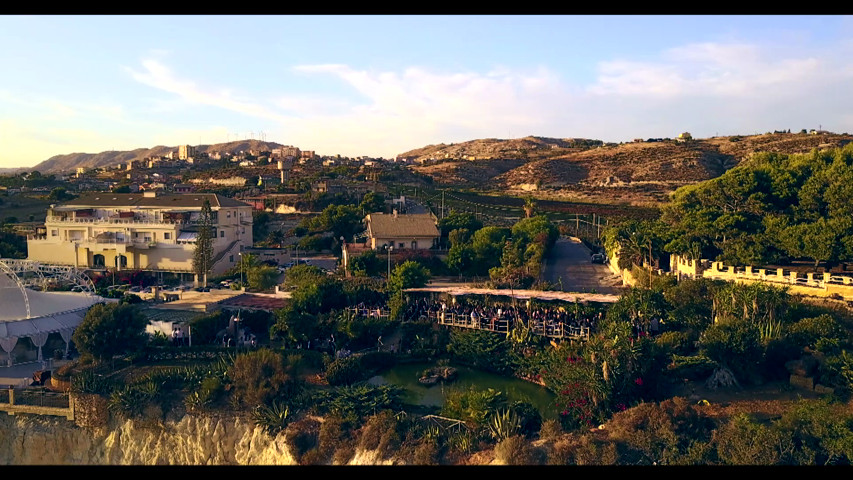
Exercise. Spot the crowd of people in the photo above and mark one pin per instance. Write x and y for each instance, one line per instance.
(550, 320)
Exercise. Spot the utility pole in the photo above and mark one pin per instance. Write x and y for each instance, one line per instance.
(650, 263)
(442, 204)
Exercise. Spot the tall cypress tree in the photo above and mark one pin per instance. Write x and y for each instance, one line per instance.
(203, 255)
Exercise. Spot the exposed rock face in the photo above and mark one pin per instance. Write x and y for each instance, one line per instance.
(41, 440)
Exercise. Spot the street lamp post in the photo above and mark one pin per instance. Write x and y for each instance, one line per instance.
(650, 263)
(344, 258)
(241, 268)
(389, 260)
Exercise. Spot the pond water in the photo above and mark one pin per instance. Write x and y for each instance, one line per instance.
(405, 375)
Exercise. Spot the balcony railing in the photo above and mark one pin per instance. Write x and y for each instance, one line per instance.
(119, 221)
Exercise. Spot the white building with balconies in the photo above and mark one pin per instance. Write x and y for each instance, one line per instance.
(141, 231)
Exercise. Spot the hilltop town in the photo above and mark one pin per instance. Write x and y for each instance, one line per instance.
(655, 301)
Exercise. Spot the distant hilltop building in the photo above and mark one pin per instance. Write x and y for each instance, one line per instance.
(284, 152)
(684, 137)
(186, 152)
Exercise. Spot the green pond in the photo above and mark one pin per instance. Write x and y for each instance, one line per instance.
(405, 375)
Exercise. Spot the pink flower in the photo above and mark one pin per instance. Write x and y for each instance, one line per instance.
(638, 381)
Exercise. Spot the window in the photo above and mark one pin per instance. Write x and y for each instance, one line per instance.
(401, 244)
(231, 258)
(167, 236)
(222, 234)
(54, 232)
(228, 214)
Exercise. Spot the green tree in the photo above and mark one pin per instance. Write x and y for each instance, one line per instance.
(59, 194)
(372, 202)
(261, 277)
(409, 274)
(367, 264)
(342, 220)
(110, 329)
(203, 254)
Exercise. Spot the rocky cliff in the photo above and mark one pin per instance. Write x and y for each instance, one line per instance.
(42, 440)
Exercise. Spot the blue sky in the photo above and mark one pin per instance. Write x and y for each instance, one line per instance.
(381, 85)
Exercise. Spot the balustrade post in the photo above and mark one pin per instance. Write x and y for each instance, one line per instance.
(11, 395)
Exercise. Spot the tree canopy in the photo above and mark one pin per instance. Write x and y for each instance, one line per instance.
(770, 208)
(110, 329)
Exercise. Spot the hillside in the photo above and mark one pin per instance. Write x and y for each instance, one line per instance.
(589, 169)
(69, 162)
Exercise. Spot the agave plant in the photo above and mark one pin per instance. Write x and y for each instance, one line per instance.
(504, 424)
(462, 441)
(128, 401)
(432, 432)
(272, 418)
(90, 382)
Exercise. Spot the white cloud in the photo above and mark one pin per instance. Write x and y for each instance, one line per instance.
(159, 76)
(408, 109)
(710, 69)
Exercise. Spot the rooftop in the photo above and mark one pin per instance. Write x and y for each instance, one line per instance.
(106, 199)
(384, 225)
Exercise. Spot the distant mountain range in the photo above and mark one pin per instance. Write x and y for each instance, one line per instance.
(642, 170)
(71, 161)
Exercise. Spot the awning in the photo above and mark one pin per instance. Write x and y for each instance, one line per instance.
(47, 324)
(522, 294)
(187, 236)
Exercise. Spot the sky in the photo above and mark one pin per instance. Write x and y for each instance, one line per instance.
(381, 85)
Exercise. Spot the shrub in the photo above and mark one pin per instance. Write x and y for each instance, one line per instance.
(355, 402)
(550, 430)
(837, 371)
(344, 371)
(259, 377)
(679, 343)
(696, 367)
(344, 453)
(807, 331)
(734, 344)
(333, 434)
(473, 405)
(302, 436)
(313, 457)
(380, 434)
(820, 431)
(584, 450)
(741, 441)
(427, 452)
(658, 433)
(516, 450)
(529, 418)
(211, 390)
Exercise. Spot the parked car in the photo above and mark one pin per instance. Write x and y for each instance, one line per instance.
(597, 258)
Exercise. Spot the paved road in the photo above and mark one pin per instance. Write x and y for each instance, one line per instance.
(569, 265)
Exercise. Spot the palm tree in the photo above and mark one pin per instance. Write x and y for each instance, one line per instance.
(529, 207)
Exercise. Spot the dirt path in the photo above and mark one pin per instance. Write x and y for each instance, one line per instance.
(569, 266)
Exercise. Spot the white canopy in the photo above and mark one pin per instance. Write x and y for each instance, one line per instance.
(522, 294)
(33, 326)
